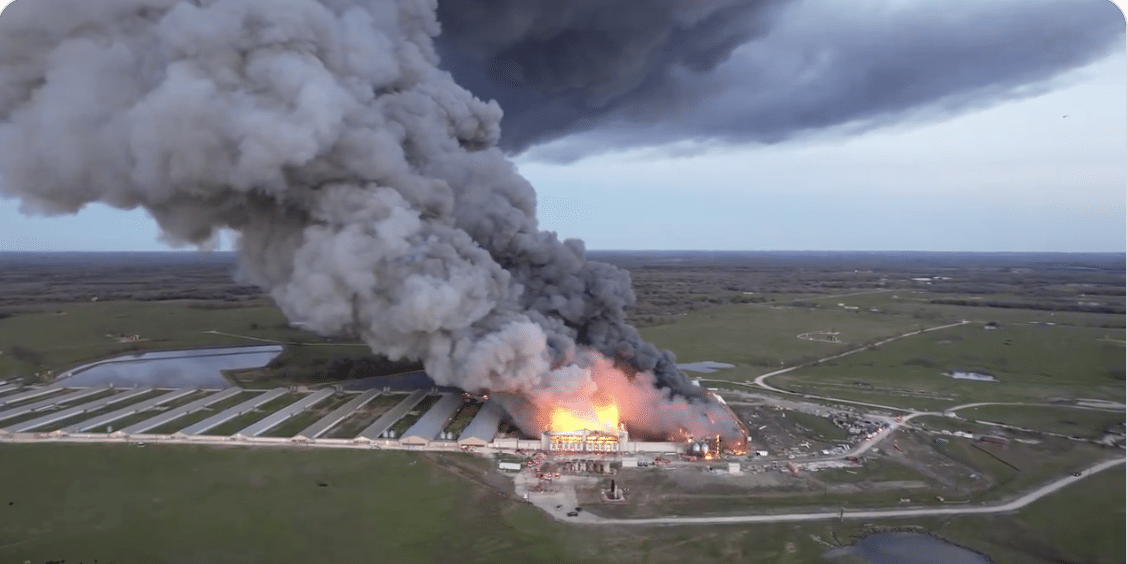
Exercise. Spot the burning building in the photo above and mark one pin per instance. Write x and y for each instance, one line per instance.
(584, 441)
(368, 191)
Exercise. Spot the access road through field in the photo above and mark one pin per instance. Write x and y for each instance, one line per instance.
(1013, 505)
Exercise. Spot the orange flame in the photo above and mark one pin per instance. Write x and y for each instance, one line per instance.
(593, 418)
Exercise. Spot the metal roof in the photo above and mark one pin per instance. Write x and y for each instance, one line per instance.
(81, 408)
(231, 412)
(428, 426)
(483, 428)
(394, 414)
(274, 419)
(325, 423)
(176, 413)
(15, 411)
(126, 411)
(35, 392)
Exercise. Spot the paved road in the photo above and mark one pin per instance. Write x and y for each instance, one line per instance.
(1015, 504)
(761, 379)
(1109, 409)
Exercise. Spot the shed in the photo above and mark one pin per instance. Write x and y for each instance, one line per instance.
(483, 427)
(428, 426)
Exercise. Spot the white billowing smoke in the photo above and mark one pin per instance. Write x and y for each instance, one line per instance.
(365, 184)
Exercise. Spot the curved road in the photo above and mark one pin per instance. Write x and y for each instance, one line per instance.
(1015, 504)
(760, 380)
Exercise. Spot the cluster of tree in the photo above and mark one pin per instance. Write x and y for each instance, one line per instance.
(63, 277)
(1043, 306)
(295, 365)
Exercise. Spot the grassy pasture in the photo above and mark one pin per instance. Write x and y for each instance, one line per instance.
(1081, 523)
(1019, 467)
(1031, 362)
(67, 334)
(176, 503)
(765, 337)
(185, 504)
(1062, 420)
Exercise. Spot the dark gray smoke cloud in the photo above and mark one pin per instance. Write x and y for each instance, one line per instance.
(654, 71)
(365, 184)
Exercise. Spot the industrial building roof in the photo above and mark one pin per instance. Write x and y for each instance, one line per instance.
(81, 408)
(483, 428)
(126, 411)
(28, 408)
(394, 414)
(428, 426)
(231, 412)
(175, 413)
(276, 418)
(322, 425)
(34, 392)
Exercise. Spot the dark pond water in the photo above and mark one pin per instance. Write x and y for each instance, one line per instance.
(908, 548)
(705, 367)
(171, 369)
(399, 383)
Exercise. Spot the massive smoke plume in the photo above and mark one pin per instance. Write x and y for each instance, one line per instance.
(655, 71)
(366, 185)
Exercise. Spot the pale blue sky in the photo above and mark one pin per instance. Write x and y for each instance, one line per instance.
(1015, 177)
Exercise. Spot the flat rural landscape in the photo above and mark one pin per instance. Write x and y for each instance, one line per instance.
(562, 281)
(900, 401)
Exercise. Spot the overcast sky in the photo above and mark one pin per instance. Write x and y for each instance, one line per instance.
(1040, 169)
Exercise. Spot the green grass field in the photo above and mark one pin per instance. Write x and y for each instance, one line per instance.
(1081, 523)
(1062, 420)
(186, 504)
(174, 504)
(64, 335)
(765, 337)
(1019, 467)
(1031, 362)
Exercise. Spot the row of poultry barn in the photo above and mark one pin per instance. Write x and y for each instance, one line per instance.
(446, 418)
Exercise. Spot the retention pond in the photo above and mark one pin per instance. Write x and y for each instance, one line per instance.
(908, 548)
(171, 369)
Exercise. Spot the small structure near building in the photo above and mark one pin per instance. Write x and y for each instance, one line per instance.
(510, 466)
